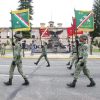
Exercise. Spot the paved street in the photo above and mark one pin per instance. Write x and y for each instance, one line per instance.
(48, 83)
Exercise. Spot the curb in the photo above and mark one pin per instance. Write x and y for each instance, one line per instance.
(53, 56)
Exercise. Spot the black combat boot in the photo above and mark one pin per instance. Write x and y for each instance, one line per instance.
(35, 63)
(48, 65)
(9, 82)
(26, 82)
(68, 63)
(92, 83)
(72, 74)
(73, 84)
(70, 67)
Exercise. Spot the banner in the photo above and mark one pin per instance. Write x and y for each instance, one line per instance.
(44, 32)
(84, 20)
(20, 20)
(70, 31)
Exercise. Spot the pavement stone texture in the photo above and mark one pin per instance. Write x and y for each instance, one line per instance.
(48, 83)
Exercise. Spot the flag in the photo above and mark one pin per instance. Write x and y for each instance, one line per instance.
(44, 32)
(84, 20)
(74, 23)
(70, 31)
(20, 20)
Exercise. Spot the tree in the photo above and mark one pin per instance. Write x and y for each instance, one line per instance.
(95, 43)
(99, 45)
(26, 4)
(96, 10)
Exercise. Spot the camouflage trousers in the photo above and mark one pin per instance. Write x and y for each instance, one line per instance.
(45, 56)
(73, 60)
(80, 68)
(19, 67)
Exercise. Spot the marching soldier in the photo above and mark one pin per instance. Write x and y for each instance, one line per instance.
(73, 58)
(81, 63)
(17, 61)
(44, 54)
(73, 55)
(2, 49)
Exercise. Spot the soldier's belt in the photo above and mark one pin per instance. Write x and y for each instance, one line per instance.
(80, 58)
(74, 52)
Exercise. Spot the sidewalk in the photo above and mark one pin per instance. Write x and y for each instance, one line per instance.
(50, 55)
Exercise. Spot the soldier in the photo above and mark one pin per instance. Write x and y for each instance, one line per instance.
(33, 47)
(2, 49)
(44, 54)
(73, 54)
(17, 61)
(81, 63)
(73, 58)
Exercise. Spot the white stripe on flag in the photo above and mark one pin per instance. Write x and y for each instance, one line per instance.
(44, 32)
(21, 20)
(85, 19)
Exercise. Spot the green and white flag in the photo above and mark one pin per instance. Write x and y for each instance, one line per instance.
(84, 20)
(20, 20)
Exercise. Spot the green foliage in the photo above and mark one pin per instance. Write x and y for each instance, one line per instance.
(95, 43)
(96, 10)
(26, 4)
(99, 45)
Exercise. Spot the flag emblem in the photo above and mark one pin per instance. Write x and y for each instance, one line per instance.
(20, 20)
(84, 20)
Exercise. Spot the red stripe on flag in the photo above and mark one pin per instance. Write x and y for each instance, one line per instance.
(44, 32)
(22, 19)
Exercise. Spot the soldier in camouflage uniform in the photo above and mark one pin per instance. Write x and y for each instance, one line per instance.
(81, 63)
(2, 49)
(44, 54)
(73, 58)
(17, 61)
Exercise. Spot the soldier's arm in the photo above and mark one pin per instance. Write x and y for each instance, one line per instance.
(84, 53)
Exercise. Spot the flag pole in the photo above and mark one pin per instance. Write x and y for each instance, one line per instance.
(72, 35)
(12, 33)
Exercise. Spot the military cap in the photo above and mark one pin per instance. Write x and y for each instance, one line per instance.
(83, 36)
(18, 35)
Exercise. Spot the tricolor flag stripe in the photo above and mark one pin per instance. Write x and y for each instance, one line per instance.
(23, 21)
(90, 14)
(44, 32)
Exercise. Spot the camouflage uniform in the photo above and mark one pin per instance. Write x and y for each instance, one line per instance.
(17, 61)
(44, 54)
(2, 49)
(81, 63)
(73, 57)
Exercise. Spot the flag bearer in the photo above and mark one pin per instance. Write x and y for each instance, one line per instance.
(44, 54)
(73, 58)
(17, 61)
(81, 64)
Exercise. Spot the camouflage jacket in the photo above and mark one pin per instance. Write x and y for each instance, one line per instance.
(83, 51)
(17, 51)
